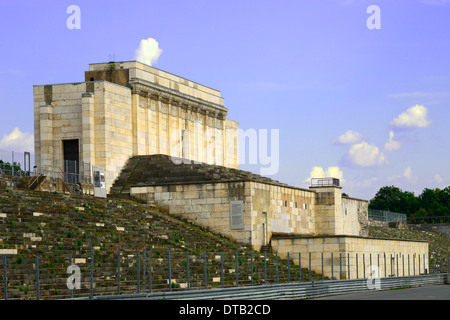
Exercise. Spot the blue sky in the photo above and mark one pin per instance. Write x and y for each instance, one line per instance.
(369, 106)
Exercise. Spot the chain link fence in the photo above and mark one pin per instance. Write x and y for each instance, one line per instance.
(387, 216)
(14, 163)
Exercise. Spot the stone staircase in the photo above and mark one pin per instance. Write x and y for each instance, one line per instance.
(266, 249)
(162, 169)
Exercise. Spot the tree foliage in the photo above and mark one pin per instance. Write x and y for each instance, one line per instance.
(431, 202)
(8, 168)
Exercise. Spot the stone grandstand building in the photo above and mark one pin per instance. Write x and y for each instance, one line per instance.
(165, 139)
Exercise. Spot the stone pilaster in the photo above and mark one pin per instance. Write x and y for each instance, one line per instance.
(46, 135)
(135, 97)
(88, 132)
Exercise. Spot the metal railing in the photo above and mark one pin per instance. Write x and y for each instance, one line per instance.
(159, 271)
(11, 164)
(387, 216)
(71, 171)
(303, 290)
(324, 182)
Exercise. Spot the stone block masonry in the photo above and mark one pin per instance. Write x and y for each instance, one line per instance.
(393, 257)
(203, 193)
(126, 109)
(291, 220)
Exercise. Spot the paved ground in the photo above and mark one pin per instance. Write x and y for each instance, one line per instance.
(440, 292)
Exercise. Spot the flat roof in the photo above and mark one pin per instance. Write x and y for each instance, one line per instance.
(151, 67)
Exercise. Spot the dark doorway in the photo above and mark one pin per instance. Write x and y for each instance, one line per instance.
(71, 160)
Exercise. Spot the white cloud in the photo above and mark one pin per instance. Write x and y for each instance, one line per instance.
(366, 155)
(349, 137)
(316, 172)
(408, 174)
(148, 51)
(331, 172)
(413, 117)
(391, 145)
(393, 177)
(18, 141)
(438, 178)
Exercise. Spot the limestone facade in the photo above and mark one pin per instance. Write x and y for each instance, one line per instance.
(129, 108)
(352, 256)
(268, 209)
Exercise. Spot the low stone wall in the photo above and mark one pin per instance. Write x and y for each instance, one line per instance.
(206, 204)
(355, 255)
(377, 223)
(9, 182)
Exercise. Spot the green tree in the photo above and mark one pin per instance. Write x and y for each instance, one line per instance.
(393, 199)
(7, 167)
(431, 202)
(420, 213)
(435, 201)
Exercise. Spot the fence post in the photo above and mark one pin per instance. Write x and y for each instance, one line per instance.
(71, 290)
(150, 271)
(143, 272)
(409, 267)
(276, 265)
(378, 259)
(348, 265)
(448, 264)
(289, 268)
(385, 264)
(332, 272)
(187, 270)
(206, 274)
(138, 272)
(392, 264)
(397, 264)
(237, 270)
(322, 264)
(5, 277)
(265, 268)
(118, 270)
(91, 296)
(170, 271)
(299, 267)
(38, 295)
(357, 268)
(418, 256)
(364, 266)
(251, 266)
(310, 267)
(221, 263)
(403, 264)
